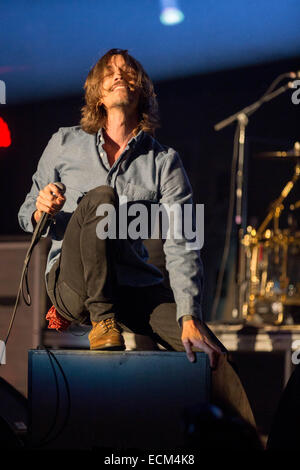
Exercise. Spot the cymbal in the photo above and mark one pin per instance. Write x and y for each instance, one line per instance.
(294, 153)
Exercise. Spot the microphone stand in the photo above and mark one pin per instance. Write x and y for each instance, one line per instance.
(248, 110)
(242, 119)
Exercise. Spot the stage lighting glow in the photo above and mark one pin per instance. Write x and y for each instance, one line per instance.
(171, 16)
(5, 139)
(170, 13)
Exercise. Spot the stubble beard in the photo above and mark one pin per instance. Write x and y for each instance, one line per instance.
(124, 101)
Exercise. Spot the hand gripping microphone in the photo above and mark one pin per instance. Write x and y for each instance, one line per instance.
(45, 216)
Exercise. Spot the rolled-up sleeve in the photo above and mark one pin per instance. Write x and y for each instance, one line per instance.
(183, 264)
(45, 174)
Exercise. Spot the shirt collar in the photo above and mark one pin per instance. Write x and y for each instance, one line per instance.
(132, 141)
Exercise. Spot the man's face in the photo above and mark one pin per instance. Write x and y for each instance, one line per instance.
(118, 85)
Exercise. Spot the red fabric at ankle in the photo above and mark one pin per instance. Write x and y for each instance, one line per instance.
(56, 321)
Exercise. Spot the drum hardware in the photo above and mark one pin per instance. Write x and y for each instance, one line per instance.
(295, 206)
(270, 259)
(293, 153)
(241, 118)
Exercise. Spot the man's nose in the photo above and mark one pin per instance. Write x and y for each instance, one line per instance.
(118, 74)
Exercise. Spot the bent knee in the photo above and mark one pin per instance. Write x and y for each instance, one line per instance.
(101, 194)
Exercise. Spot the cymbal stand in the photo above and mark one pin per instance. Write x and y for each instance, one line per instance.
(242, 118)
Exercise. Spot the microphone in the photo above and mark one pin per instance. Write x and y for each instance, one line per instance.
(37, 233)
(45, 216)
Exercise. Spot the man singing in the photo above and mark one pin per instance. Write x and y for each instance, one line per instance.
(108, 281)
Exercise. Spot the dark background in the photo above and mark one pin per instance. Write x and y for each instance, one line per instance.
(189, 109)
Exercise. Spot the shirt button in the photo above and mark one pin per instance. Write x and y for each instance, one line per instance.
(101, 154)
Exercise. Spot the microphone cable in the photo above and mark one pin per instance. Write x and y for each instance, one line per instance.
(24, 275)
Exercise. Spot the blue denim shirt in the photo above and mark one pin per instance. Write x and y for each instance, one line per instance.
(146, 171)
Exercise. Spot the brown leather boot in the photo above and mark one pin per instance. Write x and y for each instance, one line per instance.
(106, 334)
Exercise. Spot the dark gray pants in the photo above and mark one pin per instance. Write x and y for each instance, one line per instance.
(82, 283)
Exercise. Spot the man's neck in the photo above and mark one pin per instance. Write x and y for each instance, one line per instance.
(120, 125)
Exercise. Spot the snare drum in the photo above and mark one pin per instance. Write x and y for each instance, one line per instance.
(271, 273)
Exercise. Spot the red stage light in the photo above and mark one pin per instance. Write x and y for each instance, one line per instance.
(5, 139)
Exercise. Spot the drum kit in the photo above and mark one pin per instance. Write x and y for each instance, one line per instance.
(269, 261)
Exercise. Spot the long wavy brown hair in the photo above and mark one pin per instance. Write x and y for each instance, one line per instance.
(94, 115)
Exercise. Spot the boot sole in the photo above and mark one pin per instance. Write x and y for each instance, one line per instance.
(108, 348)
